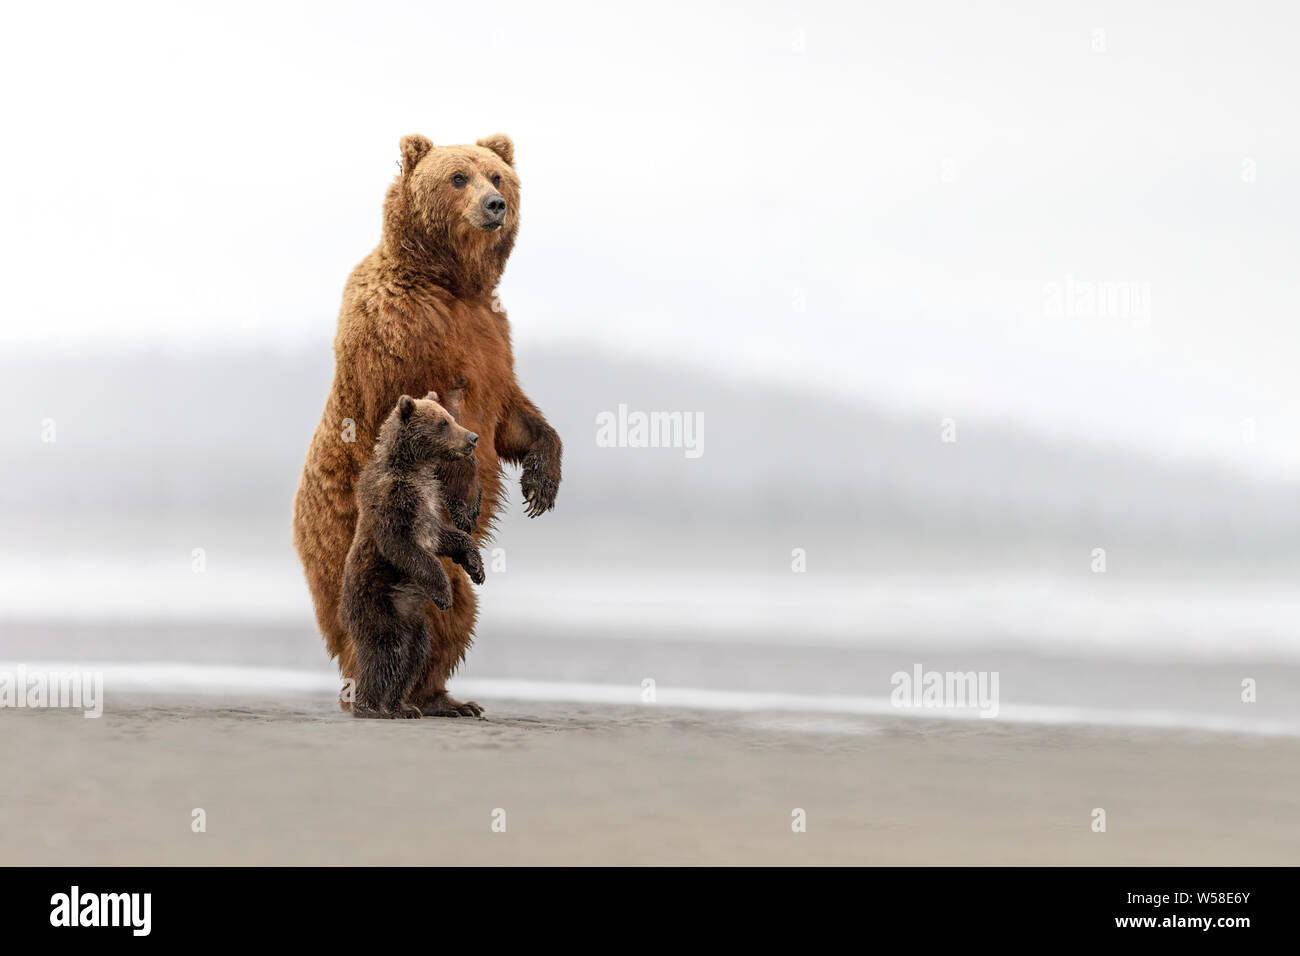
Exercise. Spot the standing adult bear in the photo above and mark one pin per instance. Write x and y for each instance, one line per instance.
(419, 315)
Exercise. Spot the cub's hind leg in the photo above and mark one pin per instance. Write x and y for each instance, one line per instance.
(390, 654)
(414, 660)
(451, 632)
(381, 677)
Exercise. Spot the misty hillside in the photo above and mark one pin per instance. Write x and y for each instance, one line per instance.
(225, 433)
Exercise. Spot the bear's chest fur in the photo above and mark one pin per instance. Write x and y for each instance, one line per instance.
(441, 344)
(396, 340)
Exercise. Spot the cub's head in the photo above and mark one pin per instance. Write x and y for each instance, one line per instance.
(455, 209)
(428, 431)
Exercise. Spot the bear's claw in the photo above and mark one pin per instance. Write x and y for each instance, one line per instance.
(444, 706)
(539, 493)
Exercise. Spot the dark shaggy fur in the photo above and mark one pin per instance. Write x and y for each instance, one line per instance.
(392, 568)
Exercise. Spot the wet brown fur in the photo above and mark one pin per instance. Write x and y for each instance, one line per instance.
(418, 315)
(392, 569)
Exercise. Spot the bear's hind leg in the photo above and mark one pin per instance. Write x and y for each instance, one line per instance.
(325, 517)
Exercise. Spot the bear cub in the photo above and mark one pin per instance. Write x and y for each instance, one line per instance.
(392, 569)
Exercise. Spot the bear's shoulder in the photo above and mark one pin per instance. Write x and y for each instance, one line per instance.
(384, 311)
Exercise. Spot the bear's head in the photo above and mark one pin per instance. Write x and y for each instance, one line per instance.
(453, 212)
(419, 430)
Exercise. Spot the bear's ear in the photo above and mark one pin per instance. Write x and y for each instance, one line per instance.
(414, 148)
(432, 396)
(500, 144)
(405, 407)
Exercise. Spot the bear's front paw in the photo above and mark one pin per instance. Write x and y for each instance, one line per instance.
(538, 486)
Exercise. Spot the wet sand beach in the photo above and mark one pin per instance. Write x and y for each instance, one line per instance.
(290, 780)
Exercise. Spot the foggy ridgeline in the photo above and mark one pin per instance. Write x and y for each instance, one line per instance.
(145, 436)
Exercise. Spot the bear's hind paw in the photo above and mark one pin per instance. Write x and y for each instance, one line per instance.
(443, 705)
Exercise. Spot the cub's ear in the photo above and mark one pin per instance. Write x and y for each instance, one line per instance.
(414, 148)
(500, 144)
(432, 396)
(405, 406)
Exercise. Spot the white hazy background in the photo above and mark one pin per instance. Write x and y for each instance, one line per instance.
(827, 227)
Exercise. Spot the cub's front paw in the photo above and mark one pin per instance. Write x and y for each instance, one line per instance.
(473, 565)
(439, 592)
(435, 586)
(463, 515)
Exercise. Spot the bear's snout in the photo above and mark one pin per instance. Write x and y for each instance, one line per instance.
(471, 442)
(493, 210)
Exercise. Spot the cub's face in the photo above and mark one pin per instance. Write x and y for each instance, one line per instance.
(433, 431)
(470, 193)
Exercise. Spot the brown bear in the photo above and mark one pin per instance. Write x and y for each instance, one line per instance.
(392, 570)
(419, 315)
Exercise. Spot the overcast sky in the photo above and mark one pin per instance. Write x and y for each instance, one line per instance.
(923, 204)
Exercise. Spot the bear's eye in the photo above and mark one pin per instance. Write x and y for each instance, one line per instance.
(496, 180)
(460, 180)
(442, 425)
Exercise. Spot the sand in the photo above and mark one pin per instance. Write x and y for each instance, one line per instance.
(292, 781)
